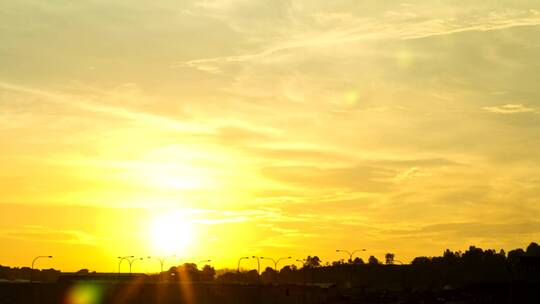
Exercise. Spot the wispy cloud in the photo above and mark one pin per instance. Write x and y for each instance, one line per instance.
(359, 178)
(468, 229)
(115, 111)
(48, 234)
(397, 25)
(511, 109)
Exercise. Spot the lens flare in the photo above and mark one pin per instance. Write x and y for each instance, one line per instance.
(84, 293)
(351, 98)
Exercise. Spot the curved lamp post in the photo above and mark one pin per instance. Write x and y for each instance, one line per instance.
(304, 273)
(121, 259)
(258, 264)
(34, 261)
(130, 261)
(276, 262)
(161, 263)
(161, 260)
(302, 261)
(240, 260)
(350, 253)
(204, 261)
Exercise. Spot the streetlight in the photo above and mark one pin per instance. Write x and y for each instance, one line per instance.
(130, 259)
(161, 262)
(276, 262)
(350, 253)
(122, 259)
(258, 264)
(204, 261)
(240, 260)
(304, 275)
(131, 262)
(350, 261)
(34, 261)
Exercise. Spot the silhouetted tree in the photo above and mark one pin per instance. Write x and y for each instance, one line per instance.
(389, 258)
(269, 275)
(251, 276)
(533, 250)
(373, 260)
(472, 256)
(287, 268)
(338, 262)
(418, 261)
(207, 273)
(312, 261)
(515, 255)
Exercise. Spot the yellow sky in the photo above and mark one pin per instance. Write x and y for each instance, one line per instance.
(273, 128)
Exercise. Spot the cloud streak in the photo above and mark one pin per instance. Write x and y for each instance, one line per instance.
(118, 112)
(510, 109)
(48, 234)
(399, 26)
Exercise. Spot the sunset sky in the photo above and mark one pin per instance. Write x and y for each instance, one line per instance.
(216, 129)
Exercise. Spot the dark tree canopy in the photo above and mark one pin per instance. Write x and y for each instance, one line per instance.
(373, 260)
(389, 258)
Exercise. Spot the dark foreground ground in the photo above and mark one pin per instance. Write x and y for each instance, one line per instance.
(132, 292)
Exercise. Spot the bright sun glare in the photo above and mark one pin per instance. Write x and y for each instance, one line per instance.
(170, 234)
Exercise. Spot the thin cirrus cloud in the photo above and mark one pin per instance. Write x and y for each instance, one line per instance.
(107, 109)
(511, 109)
(472, 230)
(34, 233)
(400, 26)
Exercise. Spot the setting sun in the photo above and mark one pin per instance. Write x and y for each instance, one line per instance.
(170, 234)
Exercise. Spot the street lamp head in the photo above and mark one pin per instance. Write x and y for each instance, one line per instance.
(337, 250)
(289, 257)
(50, 256)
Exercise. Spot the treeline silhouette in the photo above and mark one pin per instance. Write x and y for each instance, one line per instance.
(453, 268)
(472, 276)
(26, 274)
